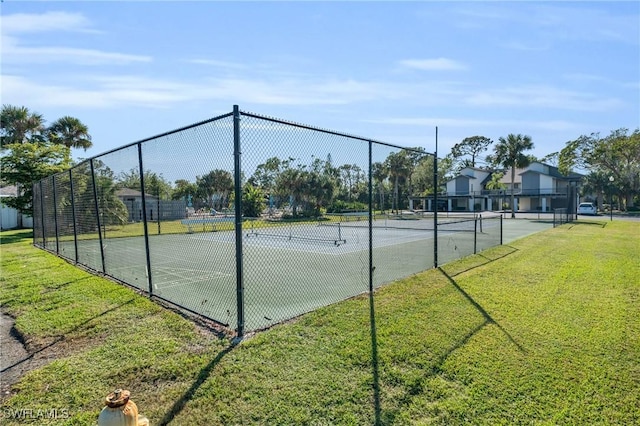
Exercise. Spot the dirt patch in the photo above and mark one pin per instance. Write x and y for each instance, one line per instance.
(19, 356)
(14, 357)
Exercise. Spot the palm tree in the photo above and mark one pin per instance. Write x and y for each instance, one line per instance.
(19, 125)
(216, 186)
(508, 152)
(398, 164)
(293, 182)
(70, 132)
(379, 174)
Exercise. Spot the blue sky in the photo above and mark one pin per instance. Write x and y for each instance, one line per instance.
(391, 71)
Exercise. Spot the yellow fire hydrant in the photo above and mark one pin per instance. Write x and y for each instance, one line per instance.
(119, 410)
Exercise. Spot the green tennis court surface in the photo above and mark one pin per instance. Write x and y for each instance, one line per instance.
(287, 271)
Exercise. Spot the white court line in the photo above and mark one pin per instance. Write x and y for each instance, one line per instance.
(361, 244)
(182, 280)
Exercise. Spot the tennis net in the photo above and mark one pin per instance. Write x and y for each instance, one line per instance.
(406, 222)
(296, 231)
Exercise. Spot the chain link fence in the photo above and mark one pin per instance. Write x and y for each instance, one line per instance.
(250, 220)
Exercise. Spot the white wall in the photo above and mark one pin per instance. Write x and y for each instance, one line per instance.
(9, 218)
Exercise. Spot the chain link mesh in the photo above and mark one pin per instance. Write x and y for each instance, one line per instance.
(64, 215)
(86, 214)
(38, 231)
(160, 215)
(293, 264)
(189, 182)
(48, 214)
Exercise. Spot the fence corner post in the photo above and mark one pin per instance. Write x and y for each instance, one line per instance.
(238, 219)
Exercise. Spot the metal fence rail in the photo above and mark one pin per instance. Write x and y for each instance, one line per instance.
(250, 220)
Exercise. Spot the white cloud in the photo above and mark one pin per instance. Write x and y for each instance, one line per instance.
(112, 91)
(216, 63)
(18, 51)
(558, 125)
(542, 97)
(554, 22)
(438, 64)
(12, 52)
(22, 91)
(49, 21)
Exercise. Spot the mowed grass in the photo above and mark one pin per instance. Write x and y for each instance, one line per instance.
(545, 330)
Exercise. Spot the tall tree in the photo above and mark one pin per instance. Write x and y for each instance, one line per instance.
(416, 156)
(27, 163)
(70, 132)
(154, 184)
(183, 190)
(379, 174)
(424, 175)
(472, 146)
(617, 155)
(19, 125)
(509, 153)
(596, 182)
(28, 154)
(216, 186)
(399, 165)
(348, 175)
(321, 187)
(292, 182)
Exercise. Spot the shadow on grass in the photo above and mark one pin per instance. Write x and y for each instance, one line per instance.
(488, 318)
(435, 369)
(204, 374)
(374, 360)
(15, 236)
(417, 388)
(60, 338)
(57, 287)
(599, 223)
(485, 262)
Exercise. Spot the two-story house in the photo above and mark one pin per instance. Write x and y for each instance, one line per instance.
(538, 187)
(465, 191)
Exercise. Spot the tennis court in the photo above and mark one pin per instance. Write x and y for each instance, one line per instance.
(190, 258)
(288, 269)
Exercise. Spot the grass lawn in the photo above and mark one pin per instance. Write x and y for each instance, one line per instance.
(545, 330)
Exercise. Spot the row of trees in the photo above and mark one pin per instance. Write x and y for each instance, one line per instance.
(31, 150)
(305, 189)
(613, 162)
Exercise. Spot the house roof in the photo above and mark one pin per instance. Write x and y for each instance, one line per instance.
(131, 193)
(468, 176)
(9, 191)
(551, 171)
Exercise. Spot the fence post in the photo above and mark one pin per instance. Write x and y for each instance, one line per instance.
(500, 229)
(158, 209)
(73, 216)
(144, 220)
(238, 219)
(435, 203)
(44, 235)
(97, 206)
(475, 235)
(370, 219)
(55, 213)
